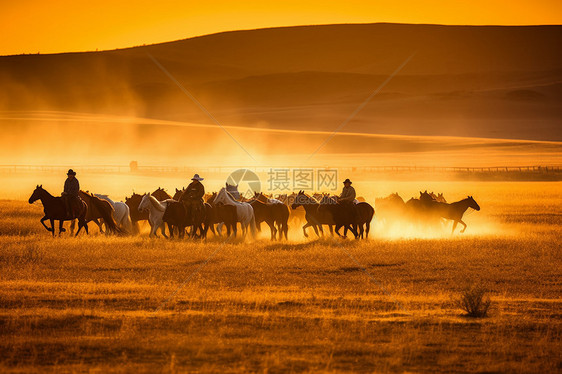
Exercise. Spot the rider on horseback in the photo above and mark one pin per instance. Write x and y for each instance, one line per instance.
(347, 199)
(70, 194)
(193, 195)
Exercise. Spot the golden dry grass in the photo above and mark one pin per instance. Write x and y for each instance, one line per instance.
(91, 303)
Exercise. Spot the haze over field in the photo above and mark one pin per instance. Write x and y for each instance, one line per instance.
(461, 81)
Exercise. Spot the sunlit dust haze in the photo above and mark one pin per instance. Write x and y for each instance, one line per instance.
(436, 96)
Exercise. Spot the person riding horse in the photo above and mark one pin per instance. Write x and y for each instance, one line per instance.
(192, 198)
(347, 199)
(70, 194)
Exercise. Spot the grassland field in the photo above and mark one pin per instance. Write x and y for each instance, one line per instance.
(388, 304)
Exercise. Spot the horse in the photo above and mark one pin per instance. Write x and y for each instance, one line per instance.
(175, 215)
(439, 197)
(55, 210)
(133, 203)
(194, 218)
(454, 211)
(233, 190)
(296, 216)
(178, 194)
(161, 194)
(136, 215)
(122, 215)
(314, 217)
(418, 210)
(365, 213)
(342, 214)
(156, 211)
(244, 211)
(273, 212)
(98, 209)
(223, 215)
(390, 207)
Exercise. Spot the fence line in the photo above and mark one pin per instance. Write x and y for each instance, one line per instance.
(227, 169)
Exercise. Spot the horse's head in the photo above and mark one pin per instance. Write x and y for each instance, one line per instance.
(143, 205)
(37, 194)
(178, 194)
(300, 199)
(425, 197)
(472, 203)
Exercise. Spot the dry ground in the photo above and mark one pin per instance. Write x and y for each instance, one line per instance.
(385, 305)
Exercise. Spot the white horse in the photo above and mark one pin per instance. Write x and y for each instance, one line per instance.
(121, 213)
(244, 211)
(156, 211)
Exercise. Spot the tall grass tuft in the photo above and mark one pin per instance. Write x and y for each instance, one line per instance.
(475, 302)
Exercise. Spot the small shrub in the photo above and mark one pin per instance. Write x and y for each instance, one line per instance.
(475, 302)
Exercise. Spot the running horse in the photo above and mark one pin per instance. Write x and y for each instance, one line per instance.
(314, 217)
(221, 214)
(454, 211)
(244, 211)
(54, 210)
(273, 212)
(99, 209)
(133, 202)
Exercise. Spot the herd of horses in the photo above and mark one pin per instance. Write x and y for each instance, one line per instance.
(227, 208)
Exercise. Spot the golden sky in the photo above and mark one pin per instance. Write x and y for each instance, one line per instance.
(32, 26)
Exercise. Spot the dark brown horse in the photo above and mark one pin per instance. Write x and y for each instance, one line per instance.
(99, 209)
(54, 210)
(454, 211)
(314, 216)
(175, 217)
(222, 214)
(178, 194)
(343, 214)
(161, 194)
(365, 213)
(272, 212)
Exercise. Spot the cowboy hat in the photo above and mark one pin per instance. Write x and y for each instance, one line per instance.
(71, 172)
(347, 181)
(196, 177)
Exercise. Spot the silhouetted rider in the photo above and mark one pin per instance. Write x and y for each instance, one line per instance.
(193, 195)
(347, 199)
(70, 193)
(347, 193)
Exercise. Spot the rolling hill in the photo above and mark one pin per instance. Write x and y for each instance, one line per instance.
(473, 81)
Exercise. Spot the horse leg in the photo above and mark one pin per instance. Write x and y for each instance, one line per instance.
(331, 227)
(43, 223)
(52, 226)
(80, 225)
(72, 226)
(464, 224)
(273, 230)
(163, 229)
(355, 231)
(337, 230)
(454, 227)
(304, 229)
(61, 229)
(97, 222)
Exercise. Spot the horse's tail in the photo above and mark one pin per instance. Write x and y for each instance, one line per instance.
(253, 224)
(128, 222)
(106, 214)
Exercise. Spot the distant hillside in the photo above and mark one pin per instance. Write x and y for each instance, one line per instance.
(483, 81)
